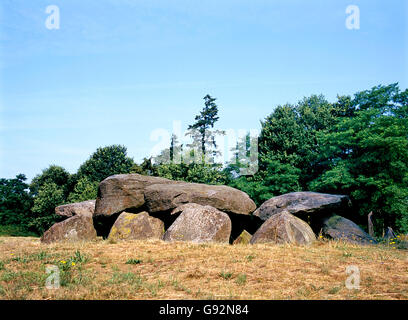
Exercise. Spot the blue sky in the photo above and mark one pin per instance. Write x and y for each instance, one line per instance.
(117, 70)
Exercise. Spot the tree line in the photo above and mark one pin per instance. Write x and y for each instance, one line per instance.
(357, 145)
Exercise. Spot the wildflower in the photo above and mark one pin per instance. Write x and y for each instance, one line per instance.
(63, 261)
(73, 264)
(12, 254)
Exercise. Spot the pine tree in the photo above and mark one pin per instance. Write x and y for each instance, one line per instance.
(201, 133)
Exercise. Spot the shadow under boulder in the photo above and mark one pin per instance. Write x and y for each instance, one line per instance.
(103, 224)
(241, 222)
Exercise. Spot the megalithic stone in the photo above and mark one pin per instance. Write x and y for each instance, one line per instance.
(370, 224)
(390, 234)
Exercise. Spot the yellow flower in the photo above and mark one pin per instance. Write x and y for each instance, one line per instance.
(63, 261)
(73, 264)
(12, 254)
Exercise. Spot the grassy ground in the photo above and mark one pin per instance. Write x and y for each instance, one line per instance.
(159, 270)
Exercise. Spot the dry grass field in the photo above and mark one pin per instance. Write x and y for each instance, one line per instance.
(160, 270)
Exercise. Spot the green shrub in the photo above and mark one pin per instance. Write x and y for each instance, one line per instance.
(16, 231)
(134, 261)
(241, 279)
(226, 275)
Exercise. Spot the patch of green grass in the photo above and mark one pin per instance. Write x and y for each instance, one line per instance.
(83, 278)
(115, 268)
(160, 284)
(154, 287)
(347, 254)
(20, 259)
(78, 257)
(226, 275)
(126, 277)
(179, 287)
(241, 279)
(2, 265)
(40, 256)
(68, 266)
(27, 278)
(75, 261)
(210, 296)
(314, 288)
(334, 290)
(174, 283)
(185, 289)
(325, 269)
(8, 276)
(250, 258)
(197, 294)
(134, 261)
(303, 292)
(369, 281)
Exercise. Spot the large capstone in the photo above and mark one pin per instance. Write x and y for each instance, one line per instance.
(84, 208)
(164, 197)
(124, 192)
